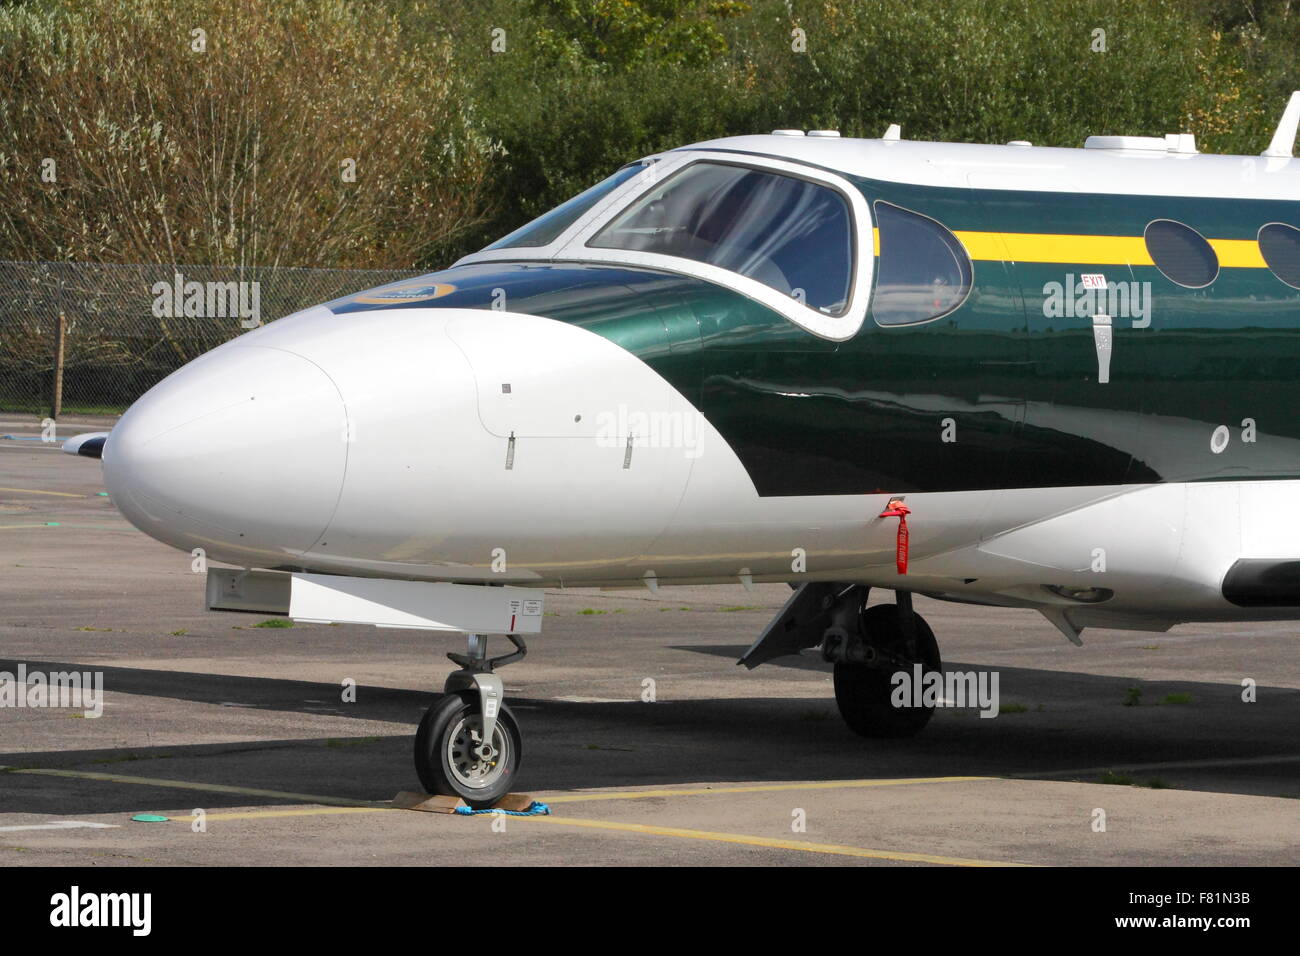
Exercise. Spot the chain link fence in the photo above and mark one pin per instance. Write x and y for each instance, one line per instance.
(89, 339)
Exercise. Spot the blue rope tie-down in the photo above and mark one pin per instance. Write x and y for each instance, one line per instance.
(535, 808)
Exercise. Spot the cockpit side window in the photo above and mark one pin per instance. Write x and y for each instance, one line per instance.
(788, 233)
(924, 272)
(547, 227)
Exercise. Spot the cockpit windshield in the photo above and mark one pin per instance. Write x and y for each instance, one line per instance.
(547, 227)
(785, 232)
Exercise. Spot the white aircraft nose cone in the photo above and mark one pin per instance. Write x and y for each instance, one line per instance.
(242, 452)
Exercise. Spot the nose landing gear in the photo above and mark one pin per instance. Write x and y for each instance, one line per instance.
(468, 744)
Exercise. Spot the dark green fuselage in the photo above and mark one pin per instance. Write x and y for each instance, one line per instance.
(994, 395)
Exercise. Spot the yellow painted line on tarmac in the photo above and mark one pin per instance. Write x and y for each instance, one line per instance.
(36, 491)
(757, 788)
(206, 787)
(644, 829)
(741, 839)
(713, 836)
(339, 805)
(620, 795)
(623, 795)
(557, 798)
(275, 814)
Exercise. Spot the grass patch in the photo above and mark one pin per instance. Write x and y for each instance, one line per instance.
(741, 607)
(1012, 709)
(275, 622)
(88, 409)
(591, 610)
(179, 633)
(94, 629)
(1133, 697)
(18, 405)
(1179, 698)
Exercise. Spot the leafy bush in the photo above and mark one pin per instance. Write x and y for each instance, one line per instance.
(228, 146)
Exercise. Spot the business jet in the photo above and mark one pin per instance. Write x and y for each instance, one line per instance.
(1008, 375)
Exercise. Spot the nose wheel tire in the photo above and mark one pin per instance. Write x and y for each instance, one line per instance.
(452, 758)
(864, 692)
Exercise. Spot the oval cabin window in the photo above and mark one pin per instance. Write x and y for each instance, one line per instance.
(1279, 244)
(924, 272)
(1181, 254)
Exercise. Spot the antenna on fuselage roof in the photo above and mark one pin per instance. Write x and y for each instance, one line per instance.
(894, 133)
(1284, 139)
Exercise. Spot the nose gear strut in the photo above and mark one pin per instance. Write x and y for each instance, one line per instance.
(468, 744)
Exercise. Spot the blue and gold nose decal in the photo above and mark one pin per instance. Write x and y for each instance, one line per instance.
(404, 293)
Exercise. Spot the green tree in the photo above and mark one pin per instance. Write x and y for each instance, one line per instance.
(605, 36)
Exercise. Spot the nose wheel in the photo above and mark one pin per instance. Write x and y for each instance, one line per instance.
(453, 756)
(468, 744)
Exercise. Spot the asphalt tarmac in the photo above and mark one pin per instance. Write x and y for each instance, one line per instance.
(1135, 749)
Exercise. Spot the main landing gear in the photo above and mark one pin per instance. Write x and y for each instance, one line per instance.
(468, 744)
(889, 638)
(867, 645)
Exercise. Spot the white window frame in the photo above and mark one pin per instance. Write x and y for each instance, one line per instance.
(657, 167)
(571, 245)
(970, 266)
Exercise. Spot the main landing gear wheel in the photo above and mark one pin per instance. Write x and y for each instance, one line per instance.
(452, 757)
(863, 691)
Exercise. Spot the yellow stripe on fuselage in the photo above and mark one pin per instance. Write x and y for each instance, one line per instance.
(1238, 253)
(1086, 250)
(1046, 247)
